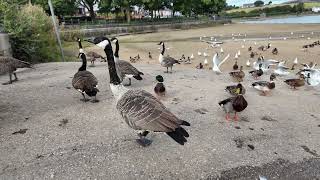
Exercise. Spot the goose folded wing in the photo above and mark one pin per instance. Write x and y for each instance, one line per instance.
(84, 80)
(169, 60)
(142, 111)
(127, 68)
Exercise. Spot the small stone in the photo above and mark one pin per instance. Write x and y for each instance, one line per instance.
(251, 146)
(237, 127)
(21, 131)
(251, 129)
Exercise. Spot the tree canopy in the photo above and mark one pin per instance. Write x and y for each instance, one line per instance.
(258, 3)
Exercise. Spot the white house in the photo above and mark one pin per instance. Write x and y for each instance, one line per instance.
(316, 9)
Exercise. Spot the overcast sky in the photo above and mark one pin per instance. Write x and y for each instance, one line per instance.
(240, 2)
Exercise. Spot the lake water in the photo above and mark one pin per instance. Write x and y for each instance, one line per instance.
(314, 19)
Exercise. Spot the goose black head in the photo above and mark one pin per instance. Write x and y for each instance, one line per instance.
(114, 40)
(101, 42)
(160, 43)
(159, 78)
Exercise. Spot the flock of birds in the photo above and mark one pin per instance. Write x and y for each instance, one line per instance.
(145, 112)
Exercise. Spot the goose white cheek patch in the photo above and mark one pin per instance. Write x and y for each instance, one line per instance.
(103, 44)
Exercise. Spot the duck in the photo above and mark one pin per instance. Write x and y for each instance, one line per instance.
(275, 51)
(235, 66)
(250, 49)
(234, 88)
(84, 81)
(252, 55)
(94, 56)
(125, 69)
(150, 56)
(10, 65)
(234, 104)
(312, 76)
(238, 75)
(217, 63)
(160, 89)
(248, 64)
(166, 61)
(265, 86)
(236, 57)
(140, 109)
(205, 54)
(257, 73)
(239, 53)
(294, 83)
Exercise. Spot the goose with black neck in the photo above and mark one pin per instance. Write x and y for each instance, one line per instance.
(140, 109)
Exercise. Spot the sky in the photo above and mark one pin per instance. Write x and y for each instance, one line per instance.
(240, 2)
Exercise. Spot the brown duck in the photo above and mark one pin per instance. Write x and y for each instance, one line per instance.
(257, 73)
(293, 83)
(235, 66)
(238, 75)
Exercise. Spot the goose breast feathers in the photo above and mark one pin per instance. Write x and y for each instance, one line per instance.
(142, 111)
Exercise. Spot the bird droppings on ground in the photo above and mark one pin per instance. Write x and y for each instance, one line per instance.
(68, 87)
(251, 129)
(201, 111)
(275, 153)
(308, 150)
(262, 129)
(26, 119)
(63, 122)
(237, 127)
(196, 99)
(39, 156)
(244, 119)
(21, 131)
(251, 147)
(268, 118)
(239, 142)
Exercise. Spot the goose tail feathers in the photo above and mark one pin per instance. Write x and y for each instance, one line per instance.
(179, 135)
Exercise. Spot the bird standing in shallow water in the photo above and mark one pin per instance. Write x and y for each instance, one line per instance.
(160, 89)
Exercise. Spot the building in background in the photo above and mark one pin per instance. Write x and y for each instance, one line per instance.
(248, 5)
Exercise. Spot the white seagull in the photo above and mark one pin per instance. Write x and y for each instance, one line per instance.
(217, 63)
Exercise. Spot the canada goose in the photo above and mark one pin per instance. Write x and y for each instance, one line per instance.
(257, 73)
(166, 61)
(234, 104)
(93, 56)
(233, 90)
(10, 65)
(235, 66)
(84, 81)
(238, 75)
(265, 86)
(275, 51)
(160, 89)
(125, 69)
(217, 63)
(140, 109)
(293, 83)
(150, 56)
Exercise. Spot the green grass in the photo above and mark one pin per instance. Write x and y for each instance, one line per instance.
(254, 8)
(311, 5)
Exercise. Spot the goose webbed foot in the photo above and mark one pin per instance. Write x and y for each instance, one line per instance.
(143, 141)
(95, 100)
(6, 83)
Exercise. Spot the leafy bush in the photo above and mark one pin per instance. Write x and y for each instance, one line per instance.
(31, 33)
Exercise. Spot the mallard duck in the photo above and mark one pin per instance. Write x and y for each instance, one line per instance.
(234, 104)
(265, 86)
(293, 83)
(160, 89)
(275, 51)
(235, 66)
(238, 75)
(233, 90)
(257, 73)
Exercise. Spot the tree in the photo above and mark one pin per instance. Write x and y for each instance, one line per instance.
(105, 6)
(89, 5)
(61, 7)
(299, 8)
(258, 3)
